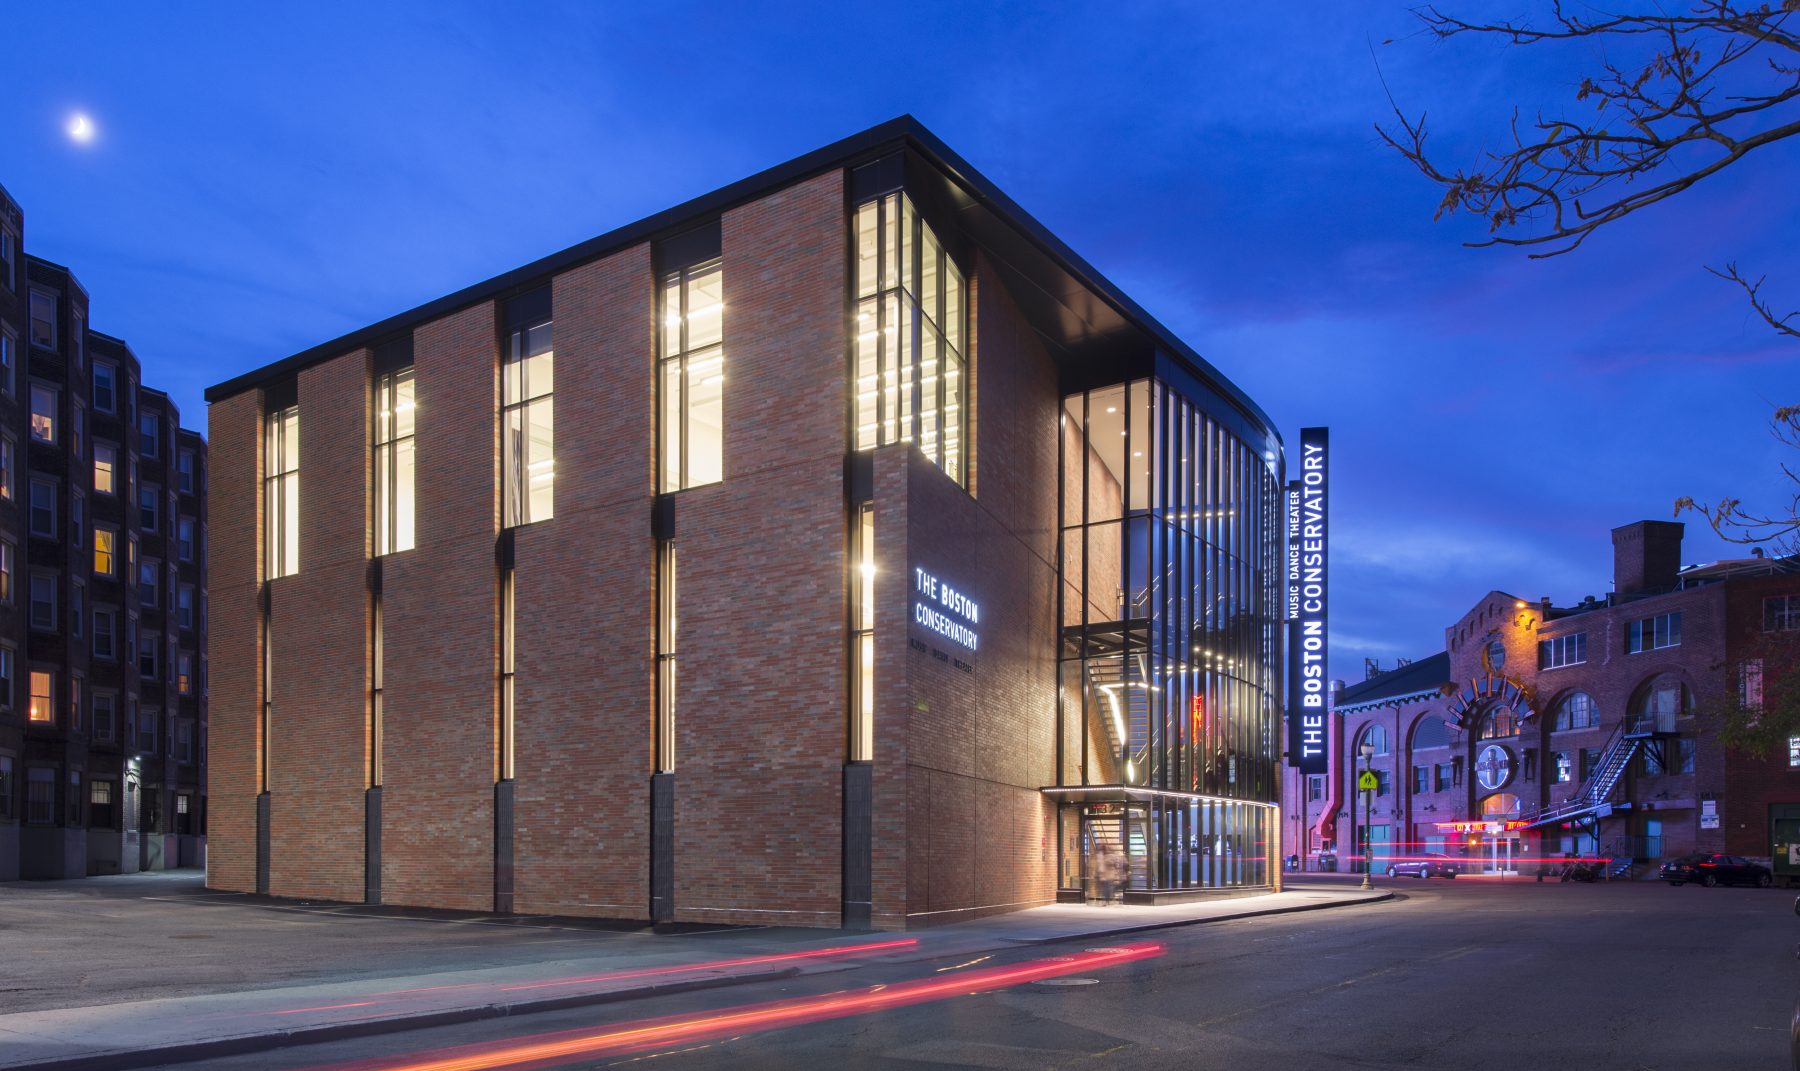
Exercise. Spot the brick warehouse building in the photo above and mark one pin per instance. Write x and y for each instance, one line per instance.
(102, 593)
(1544, 731)
(837, 548)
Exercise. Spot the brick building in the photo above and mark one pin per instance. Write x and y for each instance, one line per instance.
(836, 548)
(1544, 731)
(102, 593)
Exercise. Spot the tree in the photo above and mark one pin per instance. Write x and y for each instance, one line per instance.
(1677, 96)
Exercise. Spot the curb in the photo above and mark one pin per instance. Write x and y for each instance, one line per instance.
(1293, 909)
(122, 1059)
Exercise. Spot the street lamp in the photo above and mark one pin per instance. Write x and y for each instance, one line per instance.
(1368, 754)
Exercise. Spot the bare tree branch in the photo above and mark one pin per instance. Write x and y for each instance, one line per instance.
(1782, 324)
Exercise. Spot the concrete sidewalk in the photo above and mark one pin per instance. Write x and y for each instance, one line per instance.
(145, 1033)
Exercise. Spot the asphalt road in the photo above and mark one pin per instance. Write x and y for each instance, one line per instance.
(1467, 974)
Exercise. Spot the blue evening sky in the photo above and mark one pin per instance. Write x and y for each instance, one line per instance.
(268, 176)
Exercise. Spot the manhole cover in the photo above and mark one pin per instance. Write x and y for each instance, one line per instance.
(1068, 981)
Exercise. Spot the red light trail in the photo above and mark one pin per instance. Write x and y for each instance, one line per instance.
(548, 1049)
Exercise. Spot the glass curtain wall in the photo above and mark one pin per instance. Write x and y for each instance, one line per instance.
(1169, 609)
(910, 307)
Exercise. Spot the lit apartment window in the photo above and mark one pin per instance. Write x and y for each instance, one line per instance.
(106, 387)
(9, 345)
(281, 493)
(395, 411)
(43, 412)
(665, 657)
(1794, 751)
(43, 319)
(106, 464)
(909, 331)
(106, 560)
(149, 434)
(184, 673)
(42, 695)
(100, 804)
(1653, 633)
(43, 601)
(1565, 767)
(1562, 651)
(8, 558)
(693, 378)
(862, 636)
(185, 472)
(508, 668)
(527, 425)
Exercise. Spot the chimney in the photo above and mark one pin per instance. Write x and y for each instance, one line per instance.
(1646, 556)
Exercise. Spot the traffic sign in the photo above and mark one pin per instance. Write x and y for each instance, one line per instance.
(1367, 781)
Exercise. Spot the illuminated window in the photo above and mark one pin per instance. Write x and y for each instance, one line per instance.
(1500, 721)
(692, 377)
(43, 412)
(909, 335)
(100, 804)
(7, 562)
(106, 561)
(184, 673)
(395, 415)
(43, 688)
(862, 636)
(1794, 751)
(1653, 633)
(665, 658)
(528, 423)
(508, 669)
(7, 451)
(106, 464)
(281, 493)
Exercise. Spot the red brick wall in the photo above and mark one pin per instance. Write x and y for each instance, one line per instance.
(973, 747)
(439, 607)
(233, 641)
(319, 753)
(584, 695)
(761, 729)
(1753, 782)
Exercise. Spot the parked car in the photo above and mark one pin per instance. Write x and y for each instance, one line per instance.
(1428, 865)
(1716, 868)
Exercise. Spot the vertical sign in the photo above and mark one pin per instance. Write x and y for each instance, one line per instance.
(1308, 540)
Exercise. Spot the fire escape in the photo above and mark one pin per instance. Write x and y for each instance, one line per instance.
(1594, 801)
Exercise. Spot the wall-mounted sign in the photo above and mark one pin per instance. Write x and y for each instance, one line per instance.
(1308, 693)
(945, 610)
(1709, 814)
(1493, 767)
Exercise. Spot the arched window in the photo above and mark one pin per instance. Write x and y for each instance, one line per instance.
(1576, 711)
(1430, 732)
(1499, 721)
(1374, 734)
(1500, 805)
(1661, 701)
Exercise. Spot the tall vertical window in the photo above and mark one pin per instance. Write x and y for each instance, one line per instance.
(665, 658)
(106, 626)
(184, 538)
(106, 559)
(43, 601)
(1750, 684)
(9, 345)
(6, 681)
(106, 386)
(508, 668)
(862, 635)
(693, 378)
(910, 303)
(377, 674)
(394, 425)
(527, 422)
(281, 492)
(149, 433)
(149, 501)
(105, 715)
(106, 464)
(7, 260)
(185, 472)
(43, 412)
(43, 319)
(42, 695)
(8, 450)
(43, 508)
(40, 795)
(8, 555)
